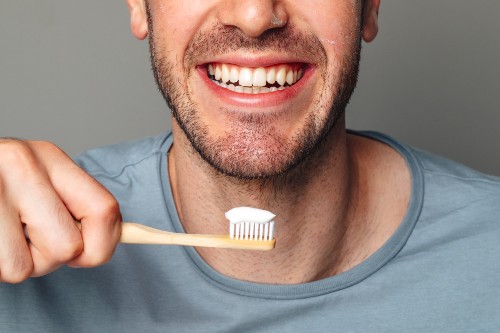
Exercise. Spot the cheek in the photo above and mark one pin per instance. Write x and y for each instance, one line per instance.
(339, 25)
(175, 24)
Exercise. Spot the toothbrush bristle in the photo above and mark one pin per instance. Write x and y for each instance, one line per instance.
(252, 231)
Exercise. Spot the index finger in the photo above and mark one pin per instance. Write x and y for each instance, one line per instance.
(90, 203)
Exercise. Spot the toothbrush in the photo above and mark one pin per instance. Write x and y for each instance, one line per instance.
(249, 229)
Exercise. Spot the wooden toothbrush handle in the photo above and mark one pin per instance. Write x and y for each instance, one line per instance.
(135, 233)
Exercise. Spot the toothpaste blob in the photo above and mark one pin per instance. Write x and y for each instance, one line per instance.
(250, 223)
(249, 214)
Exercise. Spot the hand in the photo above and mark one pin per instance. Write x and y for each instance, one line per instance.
(42, 192)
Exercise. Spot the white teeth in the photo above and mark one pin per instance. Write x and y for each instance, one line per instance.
(234, 75)
(289, 77)
(271, 76)
(257, 80)
(259, 77)
(246, 77)
(281, 76)
(225, 73)
(218, 73)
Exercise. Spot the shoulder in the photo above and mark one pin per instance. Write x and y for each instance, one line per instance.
(440, 166)
(438, 169)
(458, 180)
(449, 190)
(112, 160)
(458, 202)
(464, 201)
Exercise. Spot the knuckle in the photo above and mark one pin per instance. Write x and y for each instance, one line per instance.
(98, 259)
(4, 141)
(47, 147)
(17, 270)
(68, 250)
(16, 276)
(15, 152)
(23, 155)
(18, 162)
(107, 210)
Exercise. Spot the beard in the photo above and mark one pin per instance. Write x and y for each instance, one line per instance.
(252, 147)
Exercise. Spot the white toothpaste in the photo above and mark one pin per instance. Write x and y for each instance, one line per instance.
(249, 214)
(250, 223)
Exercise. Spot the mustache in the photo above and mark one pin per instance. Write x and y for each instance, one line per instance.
(221, 40)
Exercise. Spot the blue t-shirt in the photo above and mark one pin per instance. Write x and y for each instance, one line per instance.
(439, 272)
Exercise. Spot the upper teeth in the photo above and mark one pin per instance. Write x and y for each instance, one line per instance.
(233, 75)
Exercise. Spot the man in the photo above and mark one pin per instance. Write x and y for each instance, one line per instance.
(371, 235)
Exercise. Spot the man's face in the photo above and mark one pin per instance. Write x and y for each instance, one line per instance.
(255, 85)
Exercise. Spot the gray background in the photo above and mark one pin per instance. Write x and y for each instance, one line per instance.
(71, 73)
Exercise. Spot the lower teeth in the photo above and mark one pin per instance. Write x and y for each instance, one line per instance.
(249, 90)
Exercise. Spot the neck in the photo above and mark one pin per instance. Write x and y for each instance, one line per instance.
(319, 206)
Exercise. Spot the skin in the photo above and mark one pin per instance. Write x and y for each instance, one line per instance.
(42, 190)
(251, 154)
(330, 195)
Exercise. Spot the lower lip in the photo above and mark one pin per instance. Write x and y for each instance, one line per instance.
(269, 99)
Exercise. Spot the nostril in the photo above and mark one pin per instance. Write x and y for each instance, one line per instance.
(277, 22)
(253, 17)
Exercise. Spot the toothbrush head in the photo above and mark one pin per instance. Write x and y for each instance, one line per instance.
(250, 224)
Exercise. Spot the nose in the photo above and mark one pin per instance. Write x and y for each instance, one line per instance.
(253, 17)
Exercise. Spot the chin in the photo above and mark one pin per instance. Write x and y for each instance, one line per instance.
(256, 155)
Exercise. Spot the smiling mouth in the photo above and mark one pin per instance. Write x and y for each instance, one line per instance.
(258, 80)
